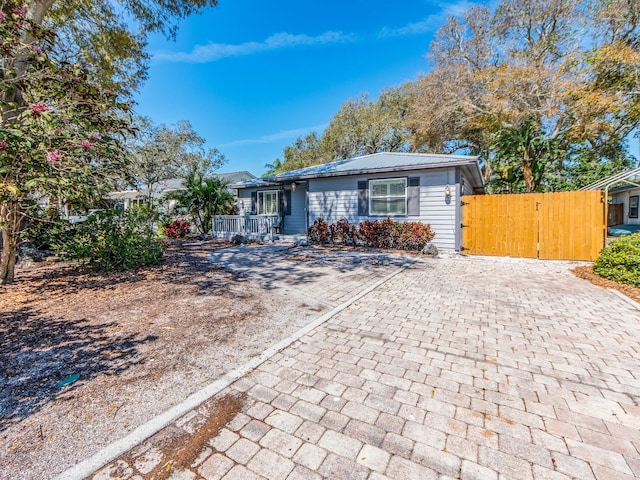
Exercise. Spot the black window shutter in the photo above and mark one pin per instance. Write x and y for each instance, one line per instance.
(363, 199)
(254, 202)
(287, 202)
(413, 196)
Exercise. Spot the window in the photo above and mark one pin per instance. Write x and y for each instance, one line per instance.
(268, 202)
(388, 196)
(633, 206)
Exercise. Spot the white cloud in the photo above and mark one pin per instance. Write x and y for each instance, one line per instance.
(213, 52)
(431, 23)
(273, 137)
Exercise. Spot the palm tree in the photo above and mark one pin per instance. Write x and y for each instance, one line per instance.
(273, 168)
(524, 154)
(203, 198)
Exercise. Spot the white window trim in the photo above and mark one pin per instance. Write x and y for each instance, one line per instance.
(637, 207)
(259, 204)
(371, 197)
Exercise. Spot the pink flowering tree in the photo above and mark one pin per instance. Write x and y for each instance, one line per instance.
(61, 135)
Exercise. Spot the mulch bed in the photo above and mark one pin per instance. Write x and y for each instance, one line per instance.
(587, 273)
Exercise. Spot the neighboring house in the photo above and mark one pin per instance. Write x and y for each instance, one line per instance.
(128, 198)
(629, 197)
(623, 192)
(404, 186)
(624, 208)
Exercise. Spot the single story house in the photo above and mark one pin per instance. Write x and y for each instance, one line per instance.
(626, 199)
(623, 193)
(404, 186)
(629, 197)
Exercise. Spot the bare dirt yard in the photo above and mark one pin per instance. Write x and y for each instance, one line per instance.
(143, 341)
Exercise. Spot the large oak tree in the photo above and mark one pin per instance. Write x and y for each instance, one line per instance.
(560, 73)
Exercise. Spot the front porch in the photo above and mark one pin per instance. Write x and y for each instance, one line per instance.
(251, 226)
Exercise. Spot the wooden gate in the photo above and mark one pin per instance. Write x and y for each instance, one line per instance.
(550, 226)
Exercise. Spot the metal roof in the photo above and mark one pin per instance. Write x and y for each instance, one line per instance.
(254, 182)
(629, 178)
(378, 163)
(175, 184)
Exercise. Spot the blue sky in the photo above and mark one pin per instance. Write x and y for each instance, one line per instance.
(252, 75)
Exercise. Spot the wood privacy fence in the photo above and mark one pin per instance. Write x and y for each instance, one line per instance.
(550, 226)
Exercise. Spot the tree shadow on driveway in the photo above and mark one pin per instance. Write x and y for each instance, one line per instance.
(275, 265)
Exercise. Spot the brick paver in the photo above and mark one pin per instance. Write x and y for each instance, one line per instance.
(462, 367)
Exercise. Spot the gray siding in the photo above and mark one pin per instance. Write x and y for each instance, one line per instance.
(337, 197)
(466, 184)
(244, 200)
(296, 222)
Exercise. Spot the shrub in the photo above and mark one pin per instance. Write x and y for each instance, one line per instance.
(177, 229)
(414, 236)
(344, 232)
(379, 233)
(318, 233)
(620, 261)
(373, 233)
(114, 240)
(47, 228)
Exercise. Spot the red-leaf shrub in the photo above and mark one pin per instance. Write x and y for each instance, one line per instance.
(414, 236)
(318, 233)
(177, 229)
(378, 233)
(344, 232)
(372, 233)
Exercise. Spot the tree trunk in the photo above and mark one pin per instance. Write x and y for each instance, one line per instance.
(529, 181)
(10, 218)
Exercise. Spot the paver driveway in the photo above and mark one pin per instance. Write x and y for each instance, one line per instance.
(474, 368)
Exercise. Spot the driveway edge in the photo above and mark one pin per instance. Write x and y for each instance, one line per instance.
(114, 450)
(625, 298)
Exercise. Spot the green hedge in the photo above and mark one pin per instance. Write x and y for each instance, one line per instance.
(114, 240)
(620, 261)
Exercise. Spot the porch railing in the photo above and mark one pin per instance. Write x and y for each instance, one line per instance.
(244, 224)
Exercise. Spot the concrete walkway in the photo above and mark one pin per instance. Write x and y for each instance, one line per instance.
(473, 368)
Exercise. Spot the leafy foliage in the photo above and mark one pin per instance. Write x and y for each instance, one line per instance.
(177, 229)
(522, 157)
(343, 232)
(361, 126)
(46, 228)
(203, 198)
(114, 239)
(392, 234)
(385, 233)
(620, 261)
(319, 232)
(534, 88)
(161, 152)
(273, 167)
(61, 133)
(111, 35)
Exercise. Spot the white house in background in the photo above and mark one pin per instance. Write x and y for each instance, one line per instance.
(128, 198)
(623, 192)
(404, 186)
(628, 196)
